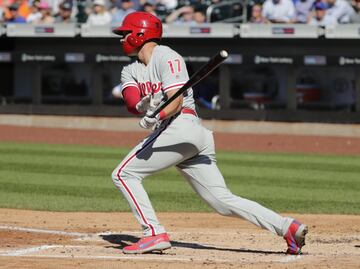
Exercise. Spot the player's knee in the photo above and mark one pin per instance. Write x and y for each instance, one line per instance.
(118, 176)
(115, 177)
(121, 174)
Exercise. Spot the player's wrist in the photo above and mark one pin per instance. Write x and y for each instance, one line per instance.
(162, 115)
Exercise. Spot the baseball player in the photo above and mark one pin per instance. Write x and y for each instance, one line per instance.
(177, 139)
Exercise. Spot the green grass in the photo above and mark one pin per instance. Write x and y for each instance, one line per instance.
(78, 178)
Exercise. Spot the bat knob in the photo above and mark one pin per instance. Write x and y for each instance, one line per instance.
(224, 54)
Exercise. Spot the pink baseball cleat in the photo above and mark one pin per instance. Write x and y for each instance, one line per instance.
(147, 244)
(295, 237)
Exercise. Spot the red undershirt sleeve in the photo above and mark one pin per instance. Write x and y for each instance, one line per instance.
(131, 97)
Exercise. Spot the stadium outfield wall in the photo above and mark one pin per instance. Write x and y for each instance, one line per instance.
(275, 72)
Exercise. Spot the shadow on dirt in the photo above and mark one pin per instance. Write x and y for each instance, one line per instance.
(124, 240)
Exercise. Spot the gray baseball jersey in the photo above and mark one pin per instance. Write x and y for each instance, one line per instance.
(182, 142)
(165, 72)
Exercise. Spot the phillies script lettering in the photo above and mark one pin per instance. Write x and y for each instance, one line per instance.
(148, 87)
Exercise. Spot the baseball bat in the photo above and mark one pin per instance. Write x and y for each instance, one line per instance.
(199, 75)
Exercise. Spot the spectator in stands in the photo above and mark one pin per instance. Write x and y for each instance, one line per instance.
(14, 16)
(46, 14)
(35, 12)
(5, 3)
(319, 17)
(199, 15)
(100, 15)
(24, 8)
(279, 11)
(256, 14)
(150, 7)
(340, 10)
(2, 14)
(54, 5)
(4, 9)
(136, 4)
(64, 14)
(170, 5)
(302, 10)
(183, 15)
(127, 7)
(355, 17)
(238, 9)
(82, 10)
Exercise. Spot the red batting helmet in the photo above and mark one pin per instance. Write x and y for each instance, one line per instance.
(143, 27)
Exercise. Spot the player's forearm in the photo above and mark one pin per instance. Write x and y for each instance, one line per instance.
(173, 108)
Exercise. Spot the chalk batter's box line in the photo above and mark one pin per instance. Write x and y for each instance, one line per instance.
(30, 252)
(27, 251)
(46, 231)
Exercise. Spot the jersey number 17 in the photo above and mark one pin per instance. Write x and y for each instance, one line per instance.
(174, 64)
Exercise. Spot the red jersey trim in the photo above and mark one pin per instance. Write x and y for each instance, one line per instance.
(173, 86)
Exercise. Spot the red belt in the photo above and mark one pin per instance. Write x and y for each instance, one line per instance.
(186, 110)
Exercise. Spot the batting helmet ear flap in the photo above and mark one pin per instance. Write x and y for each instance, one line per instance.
(136, 40)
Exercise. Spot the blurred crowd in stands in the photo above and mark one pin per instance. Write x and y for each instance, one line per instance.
(186, 12)
(314, 12)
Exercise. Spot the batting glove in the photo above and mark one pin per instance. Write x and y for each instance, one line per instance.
(154, 103)
(144, 104)
(146, 122)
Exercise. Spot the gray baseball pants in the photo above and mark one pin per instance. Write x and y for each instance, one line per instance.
(186, 144)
